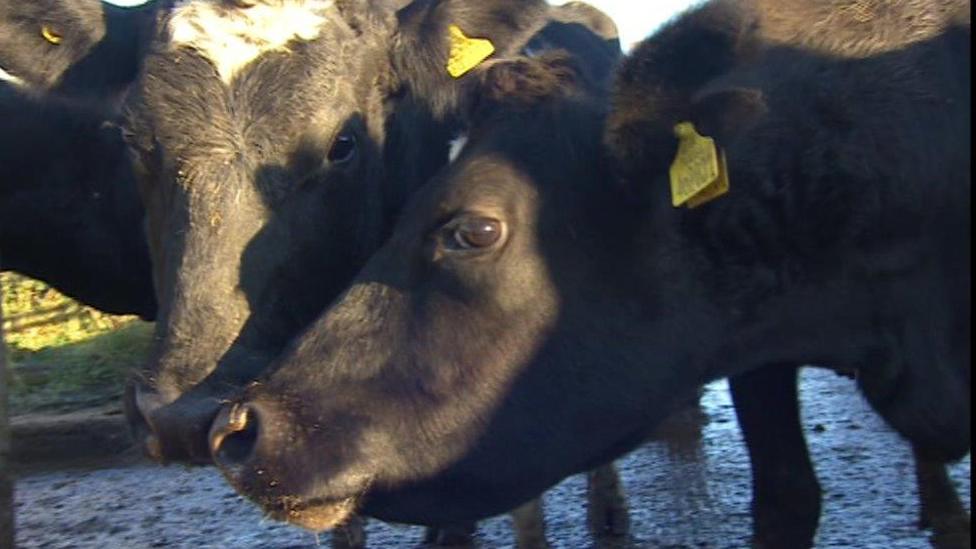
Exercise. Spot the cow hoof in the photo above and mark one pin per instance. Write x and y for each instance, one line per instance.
(351, 535)
(450, 536)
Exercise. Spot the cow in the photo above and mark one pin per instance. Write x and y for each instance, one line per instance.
(543, 303)
(70, 214)
(85, 49)
(274, 142)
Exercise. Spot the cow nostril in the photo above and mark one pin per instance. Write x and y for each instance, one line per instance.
(237, 447)
(234, 435)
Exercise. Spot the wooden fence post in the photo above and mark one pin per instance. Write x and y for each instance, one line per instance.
(6, 478)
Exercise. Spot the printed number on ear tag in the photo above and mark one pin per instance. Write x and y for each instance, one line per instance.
(466, 53)
(699, 173)
(51, 35)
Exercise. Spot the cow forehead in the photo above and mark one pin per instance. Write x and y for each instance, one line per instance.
(231, 37)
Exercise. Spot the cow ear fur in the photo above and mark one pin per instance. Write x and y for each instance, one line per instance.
(522, 82)
(366, 16)
(724, 113)
(422, 42)
(591, 18)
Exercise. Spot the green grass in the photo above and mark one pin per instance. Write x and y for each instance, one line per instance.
(64, 355)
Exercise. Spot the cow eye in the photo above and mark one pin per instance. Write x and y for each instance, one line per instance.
(477, 233)
(343, 148)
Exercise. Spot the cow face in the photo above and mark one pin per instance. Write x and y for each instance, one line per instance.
(271, 170)
(455, 332)
(255, 133)
(75, 47)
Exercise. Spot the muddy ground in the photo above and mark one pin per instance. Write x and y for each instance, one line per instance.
(682, 495)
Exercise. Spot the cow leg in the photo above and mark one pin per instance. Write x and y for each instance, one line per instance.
(529, 522)
(453, 535)
(606, 510)
(785, 491)
(939, 505)
(682, 430)
(351, 535)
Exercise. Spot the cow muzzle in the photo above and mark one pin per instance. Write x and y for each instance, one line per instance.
(243, 438)
(172, 431)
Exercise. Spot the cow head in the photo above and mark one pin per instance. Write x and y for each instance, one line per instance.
(79, 48)
(411, 385)
(274, 142)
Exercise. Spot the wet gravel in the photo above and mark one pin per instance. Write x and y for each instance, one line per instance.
(682, 495)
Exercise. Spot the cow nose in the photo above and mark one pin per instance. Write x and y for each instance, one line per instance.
(146, 403)
(234, 435)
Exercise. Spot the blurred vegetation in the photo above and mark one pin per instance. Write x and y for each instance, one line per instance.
(64, 355)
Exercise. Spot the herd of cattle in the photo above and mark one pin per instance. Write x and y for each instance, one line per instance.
(422, 260)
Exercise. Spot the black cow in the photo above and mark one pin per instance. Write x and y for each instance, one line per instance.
(70, 214)
(541, 272)
(85, 49)
(274, 143)
(69, 211)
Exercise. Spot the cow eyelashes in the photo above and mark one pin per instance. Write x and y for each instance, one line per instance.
(343, 149)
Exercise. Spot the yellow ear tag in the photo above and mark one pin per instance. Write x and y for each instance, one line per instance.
(699, 173)
(50, 35)
(466, 53)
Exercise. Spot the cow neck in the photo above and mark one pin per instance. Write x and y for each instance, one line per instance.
(828, 320)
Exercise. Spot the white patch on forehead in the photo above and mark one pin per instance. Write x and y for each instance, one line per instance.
(7, 77)
(457, 145)
(231, 37)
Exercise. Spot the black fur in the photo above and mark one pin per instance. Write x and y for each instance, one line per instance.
(100, 50)
(69, 211)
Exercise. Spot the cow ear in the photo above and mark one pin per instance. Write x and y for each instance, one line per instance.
(724, 113)
(396, 5)
(589, 17)
(522, 82)
(440, 43)
(367, 16)
(586, 32)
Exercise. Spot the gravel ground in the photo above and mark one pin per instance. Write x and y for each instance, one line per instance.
(682, 495)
